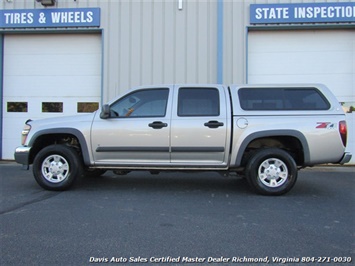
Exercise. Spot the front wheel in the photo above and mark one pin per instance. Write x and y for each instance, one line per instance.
(56, 167)
(271, 171)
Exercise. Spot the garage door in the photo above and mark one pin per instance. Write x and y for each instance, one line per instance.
(319, 56)
(47, 75)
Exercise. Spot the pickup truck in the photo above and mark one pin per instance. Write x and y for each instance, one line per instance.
(265, 133)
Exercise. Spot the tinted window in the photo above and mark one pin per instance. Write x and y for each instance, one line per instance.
(20, 107)
(143, 103)
(282, 99)
(198, 102)
(87, 107)
(52, 107)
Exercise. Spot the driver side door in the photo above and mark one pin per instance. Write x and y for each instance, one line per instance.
(137, 131)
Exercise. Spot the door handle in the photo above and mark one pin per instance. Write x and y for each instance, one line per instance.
(214, 124)
(157, 124)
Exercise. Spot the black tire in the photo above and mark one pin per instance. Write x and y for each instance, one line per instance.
(57, 167)
(271, 171)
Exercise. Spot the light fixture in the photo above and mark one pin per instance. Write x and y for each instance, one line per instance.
(180, 5)
(47, 2)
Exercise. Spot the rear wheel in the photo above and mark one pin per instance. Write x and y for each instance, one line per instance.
(271, 171)
(56, 167)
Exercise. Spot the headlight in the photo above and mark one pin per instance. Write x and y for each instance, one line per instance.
(26, 129)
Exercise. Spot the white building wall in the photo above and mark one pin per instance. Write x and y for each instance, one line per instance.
(152, 42)
(147, 42)
(236, 29)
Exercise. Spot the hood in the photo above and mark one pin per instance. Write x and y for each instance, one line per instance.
(62, 121)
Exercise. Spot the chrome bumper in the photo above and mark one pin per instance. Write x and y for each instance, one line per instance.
(22, 155)
(346, 158)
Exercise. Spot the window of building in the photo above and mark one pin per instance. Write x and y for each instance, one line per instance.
(52, 107)
(282, 99)
(198, 102)
(142, 103)
(87, 107)
(17, 107)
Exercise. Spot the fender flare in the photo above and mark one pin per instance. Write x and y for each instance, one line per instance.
(72, 131)
(272, 133)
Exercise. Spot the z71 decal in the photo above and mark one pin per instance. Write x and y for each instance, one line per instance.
(325, 125)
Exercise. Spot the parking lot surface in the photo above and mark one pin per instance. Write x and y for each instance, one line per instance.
(177, 219)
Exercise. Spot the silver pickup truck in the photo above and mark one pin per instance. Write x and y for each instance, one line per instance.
(265, 133)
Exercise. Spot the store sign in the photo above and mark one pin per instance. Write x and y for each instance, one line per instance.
(49, 18)
(302, 13)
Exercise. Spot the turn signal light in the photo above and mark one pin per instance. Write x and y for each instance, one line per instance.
(26, 129)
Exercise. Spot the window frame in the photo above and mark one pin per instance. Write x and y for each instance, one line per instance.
(245, 105)
(137, 91)
(179, 114)
(17, 107)
(52, 107)
(81, 107)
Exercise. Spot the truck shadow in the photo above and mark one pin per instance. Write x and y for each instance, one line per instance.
(207, 182)
(167, 181)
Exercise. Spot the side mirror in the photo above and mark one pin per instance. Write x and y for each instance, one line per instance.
(105, 111)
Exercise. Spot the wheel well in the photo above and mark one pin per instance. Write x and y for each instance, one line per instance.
(290, 144)
(50, 139)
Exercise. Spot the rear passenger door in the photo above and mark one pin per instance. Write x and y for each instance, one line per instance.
(199, 127)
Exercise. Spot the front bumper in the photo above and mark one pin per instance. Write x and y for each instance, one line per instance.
(22, 155)
(346, 158)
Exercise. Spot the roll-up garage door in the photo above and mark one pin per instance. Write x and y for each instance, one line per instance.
(47, 75)
(305, 56)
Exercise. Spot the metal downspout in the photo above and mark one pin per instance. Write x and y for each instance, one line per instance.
(1, 88)
(220, 41)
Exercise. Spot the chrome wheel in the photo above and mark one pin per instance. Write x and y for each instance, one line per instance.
(55, 168)
(273, 172)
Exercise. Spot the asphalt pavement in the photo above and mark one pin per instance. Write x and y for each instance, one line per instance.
(177, 219)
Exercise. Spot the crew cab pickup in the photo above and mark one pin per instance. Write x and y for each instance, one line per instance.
(265, 133)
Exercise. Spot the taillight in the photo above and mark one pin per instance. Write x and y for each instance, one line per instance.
(343, 131)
